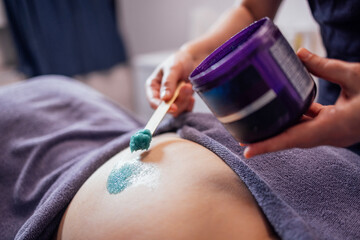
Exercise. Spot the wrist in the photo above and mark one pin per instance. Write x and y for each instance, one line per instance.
(188, 50)
(196, 51)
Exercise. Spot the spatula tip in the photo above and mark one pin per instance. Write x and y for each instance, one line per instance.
(140, 140)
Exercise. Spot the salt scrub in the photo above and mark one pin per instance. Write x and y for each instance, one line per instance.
(119, 179)
(132, 173)
(140, 140)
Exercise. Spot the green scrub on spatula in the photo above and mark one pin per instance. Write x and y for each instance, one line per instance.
(141, 139)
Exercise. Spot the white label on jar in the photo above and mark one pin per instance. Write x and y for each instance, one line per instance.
(249, 109)
(292, 67)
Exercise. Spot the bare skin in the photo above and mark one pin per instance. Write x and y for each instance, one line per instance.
(195, 195)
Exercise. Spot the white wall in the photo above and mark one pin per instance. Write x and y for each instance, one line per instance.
(156, 25)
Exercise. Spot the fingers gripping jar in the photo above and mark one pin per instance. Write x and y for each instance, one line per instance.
(254, 83)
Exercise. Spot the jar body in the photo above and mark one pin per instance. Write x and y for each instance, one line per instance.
(254, 83)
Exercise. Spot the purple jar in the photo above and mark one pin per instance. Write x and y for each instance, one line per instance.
(254, 83)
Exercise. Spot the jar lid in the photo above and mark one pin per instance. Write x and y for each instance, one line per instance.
(233, 54)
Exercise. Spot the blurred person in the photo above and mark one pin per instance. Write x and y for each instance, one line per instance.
(65, 37)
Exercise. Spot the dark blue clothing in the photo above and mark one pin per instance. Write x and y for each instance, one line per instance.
(339, 22)
(65, 37)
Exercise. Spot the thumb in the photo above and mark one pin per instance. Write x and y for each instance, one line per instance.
(329, 69)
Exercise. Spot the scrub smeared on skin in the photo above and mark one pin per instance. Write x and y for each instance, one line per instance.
(140, 140)
(132, 172)
(119, 179)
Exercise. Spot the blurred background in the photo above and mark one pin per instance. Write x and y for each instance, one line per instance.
(113, 46)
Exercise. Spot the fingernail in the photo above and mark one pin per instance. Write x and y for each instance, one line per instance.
(163, 93)
(172, 108)
(304, 54)
(246, 152)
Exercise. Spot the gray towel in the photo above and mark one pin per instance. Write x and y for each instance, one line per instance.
(55, 132)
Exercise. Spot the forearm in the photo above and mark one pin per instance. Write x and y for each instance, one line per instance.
(229, 23)
(232, 21)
